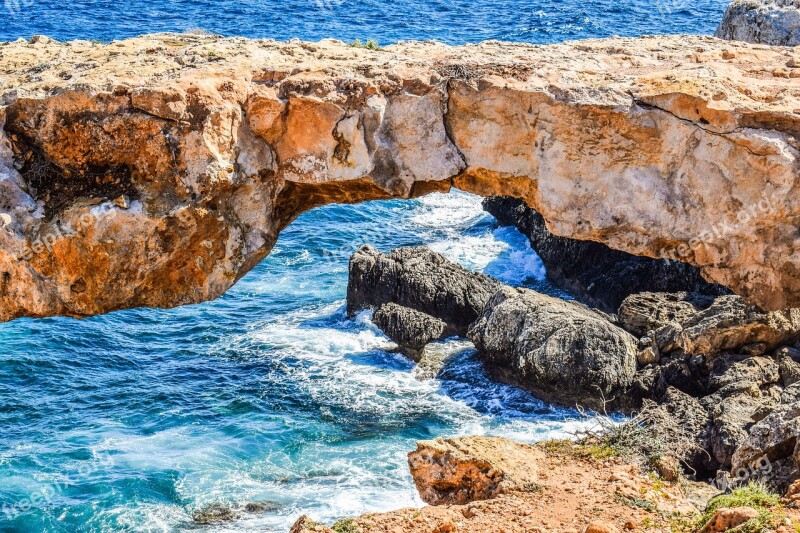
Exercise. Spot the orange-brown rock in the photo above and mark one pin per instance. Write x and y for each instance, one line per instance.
(464, 470)
(728, 518)
(157, 171)
(572, 492)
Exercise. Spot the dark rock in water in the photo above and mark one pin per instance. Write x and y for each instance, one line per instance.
(261, 507)
(214, 513)
(731, 324)
(412, 330)
(648, 311)
(420, 279)
(594, 273)
(561, 350)
(682, 426)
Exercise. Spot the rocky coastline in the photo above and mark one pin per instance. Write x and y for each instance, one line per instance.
(158, 171)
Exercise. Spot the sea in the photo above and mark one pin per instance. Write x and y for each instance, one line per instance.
(270, 400)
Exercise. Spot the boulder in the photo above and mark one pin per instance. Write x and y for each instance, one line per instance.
(419, 279)
(601, 526)
(459, 471)
(591, 271)
(734, 373)
(732, 417)
(411, 330)
(681, 426)
(774, 438)
(774, 22)
(643, 312)
(731, 324)
(788, 365)
(562, 351)
(728, 518)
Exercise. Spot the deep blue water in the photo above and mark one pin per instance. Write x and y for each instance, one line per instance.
(135, 420)
(388, 21)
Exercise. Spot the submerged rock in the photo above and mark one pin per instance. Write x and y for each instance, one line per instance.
(593, 272)
(774, 22)
(214, 513)
(562, 351)
(411, 330)
(459, 471)
(422, 280)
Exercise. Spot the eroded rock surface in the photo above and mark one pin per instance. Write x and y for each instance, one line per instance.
(459, 471)
(562, 351)
(591, 271)
(412, 330)
(157, 171)
(775, 22)
(422, 280)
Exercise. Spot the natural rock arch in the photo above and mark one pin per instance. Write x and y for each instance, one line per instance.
(164, 171)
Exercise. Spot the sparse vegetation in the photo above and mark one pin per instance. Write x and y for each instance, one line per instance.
(369, 45)
(755, 495)
(346, 525)
(636, 503)
(532, 487)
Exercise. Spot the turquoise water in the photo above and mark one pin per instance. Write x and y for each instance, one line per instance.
(135, 420)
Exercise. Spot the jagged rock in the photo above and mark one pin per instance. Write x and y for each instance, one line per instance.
(775, 437)
(214, 513)
(411, 330)
(219, 143)
(788, 365)
(648, 311)
(459, 471)
(422, 280)
(594, 273)
(682, 427)
(732, 417)
(560, 350)
(734, 373)
(774, 22)
(731, 324)
(687, 375)
(791, 394)
(648, 356)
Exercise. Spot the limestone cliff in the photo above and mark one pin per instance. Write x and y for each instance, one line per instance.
(157, 171)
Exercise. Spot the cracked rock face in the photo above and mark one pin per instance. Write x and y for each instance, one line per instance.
(157, 171)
